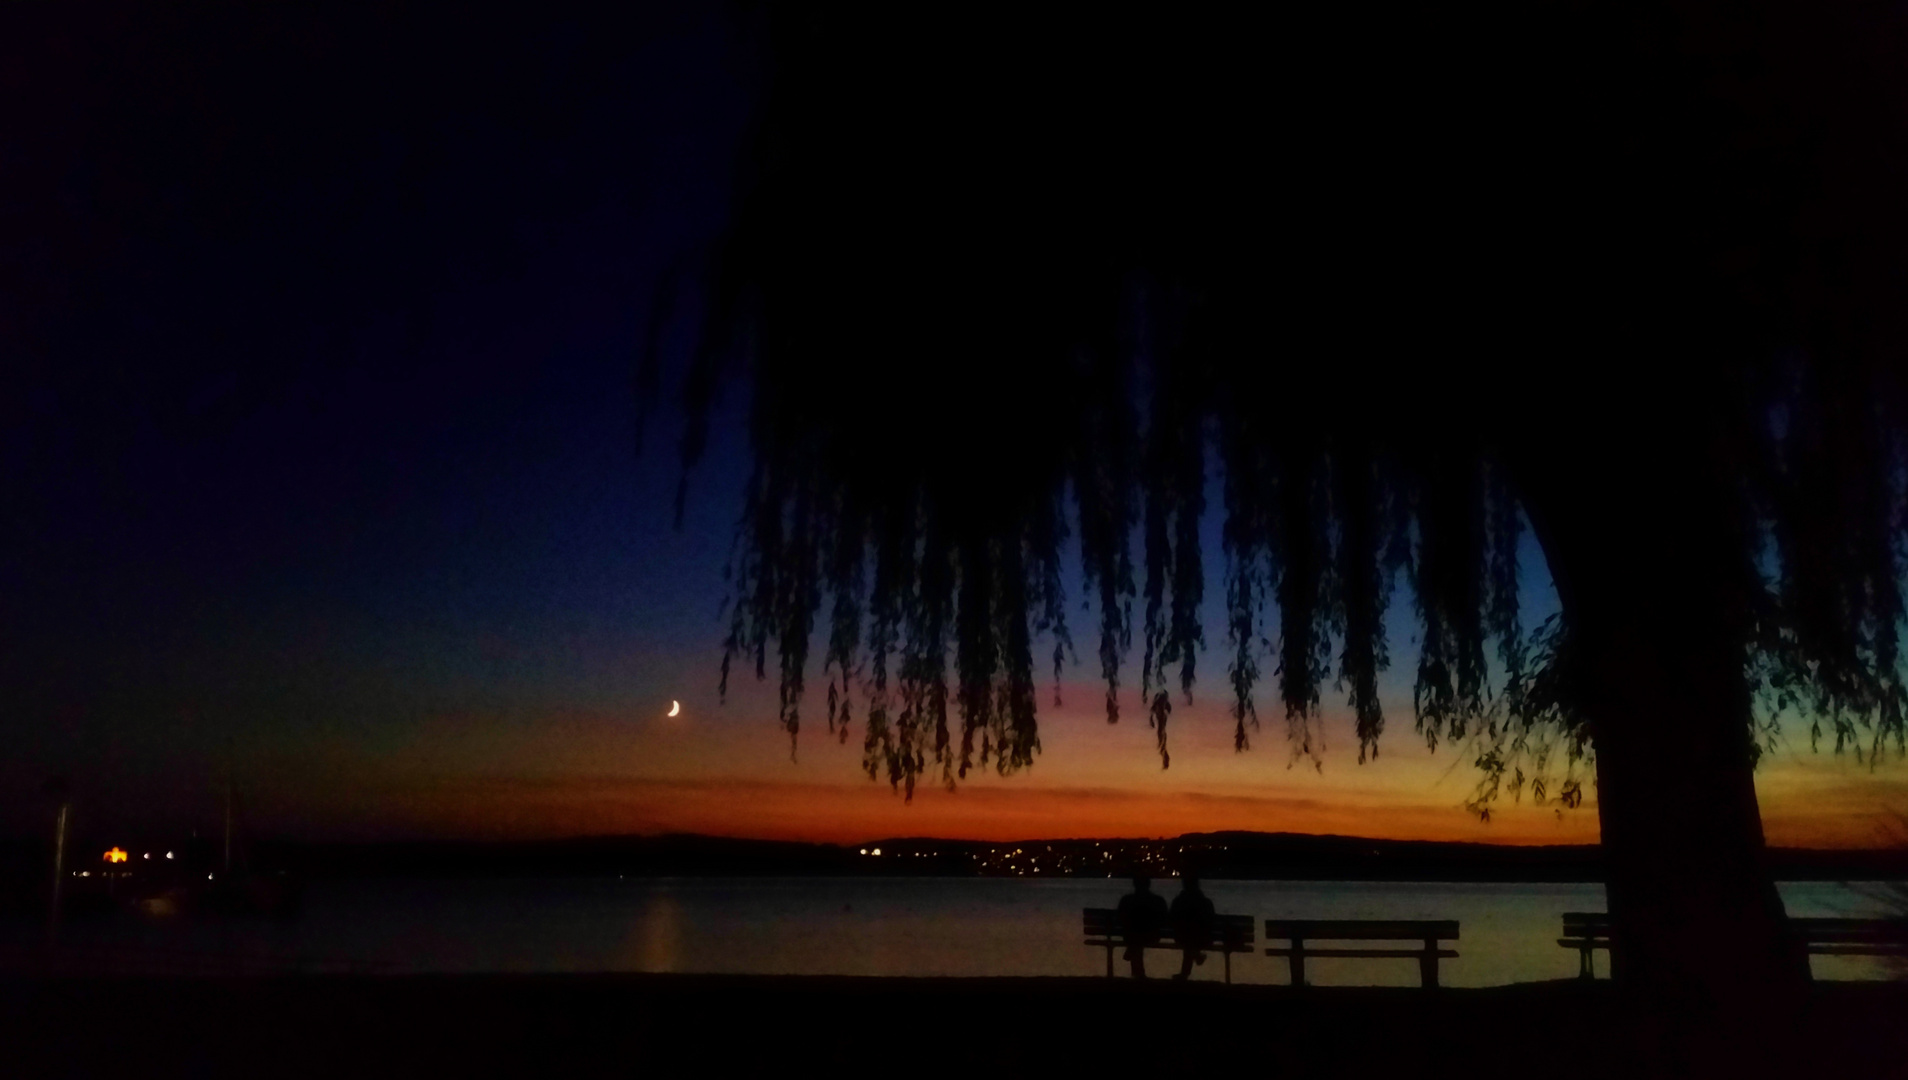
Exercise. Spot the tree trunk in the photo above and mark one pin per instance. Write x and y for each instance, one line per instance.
(1689, 886)
(1651, 566)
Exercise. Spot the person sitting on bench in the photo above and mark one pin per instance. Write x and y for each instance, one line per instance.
(1142, 915)
(1193, 919)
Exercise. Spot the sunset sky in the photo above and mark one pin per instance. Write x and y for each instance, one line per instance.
(328, 482)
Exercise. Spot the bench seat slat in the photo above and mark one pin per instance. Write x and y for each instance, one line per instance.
(1360, 929)
(1399, 954)
(1817, 948)
(1168, 935)
(1105, 924)
(1168, 942)
(1579, 930)
(1890, 949)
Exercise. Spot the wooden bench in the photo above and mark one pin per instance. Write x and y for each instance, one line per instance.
(1230, 934)
(1587, 931)
(1299, 932)
(1853, 937)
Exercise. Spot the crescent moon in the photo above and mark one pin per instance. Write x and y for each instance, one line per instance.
(675, 707)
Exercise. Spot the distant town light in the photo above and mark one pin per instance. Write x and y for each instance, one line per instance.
(147, 855)
(874, 851)
(168, 854)
(864, 851)
(115, 855)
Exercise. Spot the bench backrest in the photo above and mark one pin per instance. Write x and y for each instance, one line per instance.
(1233, 929)
(1226, 929)
(1851, 931)
(1360, 930)
(1586, 924)
(1596, 925)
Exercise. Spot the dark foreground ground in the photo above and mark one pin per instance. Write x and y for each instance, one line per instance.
(661, 1025)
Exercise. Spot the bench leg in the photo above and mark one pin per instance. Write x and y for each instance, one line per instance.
(1298, 962)
(1428, 966)
(1586, 965)
(1228, 967)
(1109, 961)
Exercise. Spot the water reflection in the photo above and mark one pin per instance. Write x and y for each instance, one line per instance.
(658, 931)
(873, 926)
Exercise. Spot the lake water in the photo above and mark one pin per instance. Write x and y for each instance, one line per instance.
(864, 926)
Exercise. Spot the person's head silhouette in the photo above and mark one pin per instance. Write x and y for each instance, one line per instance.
(1189, 882)
(1142, 883)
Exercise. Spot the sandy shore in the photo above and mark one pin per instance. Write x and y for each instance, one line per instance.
(350, 1025)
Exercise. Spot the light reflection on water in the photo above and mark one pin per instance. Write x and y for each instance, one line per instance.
(657, 931)
(875, 926)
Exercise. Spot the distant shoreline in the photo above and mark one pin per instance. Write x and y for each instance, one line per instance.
(1217, 856)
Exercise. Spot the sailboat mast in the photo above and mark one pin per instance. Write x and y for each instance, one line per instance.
(59, 867)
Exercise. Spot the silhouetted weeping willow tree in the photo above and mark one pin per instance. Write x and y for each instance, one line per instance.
(1392, 282)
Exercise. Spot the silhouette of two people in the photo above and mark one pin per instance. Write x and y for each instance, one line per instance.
(1144, 917)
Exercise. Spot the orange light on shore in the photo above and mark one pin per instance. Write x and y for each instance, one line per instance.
(115, 855)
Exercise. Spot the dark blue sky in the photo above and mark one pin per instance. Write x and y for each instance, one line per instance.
(323, 356)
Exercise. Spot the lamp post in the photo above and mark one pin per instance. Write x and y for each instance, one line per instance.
(60, 792)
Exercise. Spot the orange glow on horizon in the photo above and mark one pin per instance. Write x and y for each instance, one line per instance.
(730, 776)
(858, 811)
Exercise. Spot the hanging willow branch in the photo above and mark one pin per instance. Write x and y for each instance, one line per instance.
(1011, 285)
